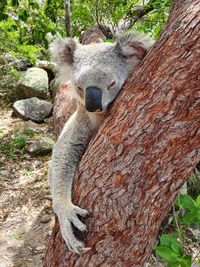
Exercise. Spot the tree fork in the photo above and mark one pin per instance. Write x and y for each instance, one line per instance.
(143, 152)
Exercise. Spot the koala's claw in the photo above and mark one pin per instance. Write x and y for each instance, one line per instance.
(80, 211)
(68, 216)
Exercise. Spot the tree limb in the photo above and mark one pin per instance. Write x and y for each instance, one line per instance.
(67, 18)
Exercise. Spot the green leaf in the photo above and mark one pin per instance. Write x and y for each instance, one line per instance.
(190, 217)
(15, 3)
(198, 201)
(186, 261)
(167, 254)
(187, 202)
(175, 248)
(171, 242)
(23, 14)
(173, 264)
(198, 217)
(34, 5)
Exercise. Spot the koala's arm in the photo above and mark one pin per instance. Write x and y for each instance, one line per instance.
(66, 155)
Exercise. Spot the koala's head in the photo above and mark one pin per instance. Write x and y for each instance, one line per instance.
(98, 71)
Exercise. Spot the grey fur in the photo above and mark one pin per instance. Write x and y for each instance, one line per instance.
(104, 66)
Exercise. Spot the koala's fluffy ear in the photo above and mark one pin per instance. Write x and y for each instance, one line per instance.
(62, 51)
(133, 46)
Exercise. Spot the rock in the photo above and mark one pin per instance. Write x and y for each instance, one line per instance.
(54, 85)
(34, 84)
(4, 173)
(8, 60)
(41, 147)
(38, 163)
(40, 248)
(3, 214)
(45, 218)
(194, 233)
(36, 127)
(49, 233)
(10, 74)
(48, 66)
(33, 108)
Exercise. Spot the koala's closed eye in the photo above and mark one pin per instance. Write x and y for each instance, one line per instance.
(79, 88)
(111, 86)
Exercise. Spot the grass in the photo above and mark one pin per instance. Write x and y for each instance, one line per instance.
(13, 144)
(16, 234)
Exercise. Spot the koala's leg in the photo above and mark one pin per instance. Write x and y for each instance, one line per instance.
(66, 155)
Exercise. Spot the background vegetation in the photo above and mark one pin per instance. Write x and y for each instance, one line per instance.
(25, 23)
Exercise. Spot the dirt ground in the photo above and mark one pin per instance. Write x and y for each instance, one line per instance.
(26, 217)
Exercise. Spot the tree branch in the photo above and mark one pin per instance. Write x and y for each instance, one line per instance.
(136, 13)
(67, 18)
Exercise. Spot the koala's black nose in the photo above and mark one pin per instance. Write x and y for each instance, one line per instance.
(93, 98)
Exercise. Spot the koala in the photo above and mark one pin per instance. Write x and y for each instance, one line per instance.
(97, 73)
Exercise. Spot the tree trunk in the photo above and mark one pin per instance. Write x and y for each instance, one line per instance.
(143, 152)
(67, 18)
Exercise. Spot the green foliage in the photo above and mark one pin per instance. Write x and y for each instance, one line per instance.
(87, 13)
(6, 148)
(155, 20)
(14, 146)
(10, 42)
(3, 4)
(171, 248)
(30, 52)
(25, 23)
(20, 141)
(172, 252)
(190, 208)
(194, 184)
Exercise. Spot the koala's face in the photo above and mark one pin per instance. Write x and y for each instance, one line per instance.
(98, 71)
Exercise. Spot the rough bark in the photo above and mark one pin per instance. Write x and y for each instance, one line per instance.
(143, 152)
(67, 18)
(96, 34)
(64, 107)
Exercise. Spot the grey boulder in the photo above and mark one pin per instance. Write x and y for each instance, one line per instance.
(48, 66)
(32, 109)
(34, 83)
(41, 147)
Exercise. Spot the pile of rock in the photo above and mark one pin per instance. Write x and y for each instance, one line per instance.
(35, 105)
(33, 89)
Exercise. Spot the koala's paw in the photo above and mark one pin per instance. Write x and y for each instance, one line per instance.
(68, 216)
